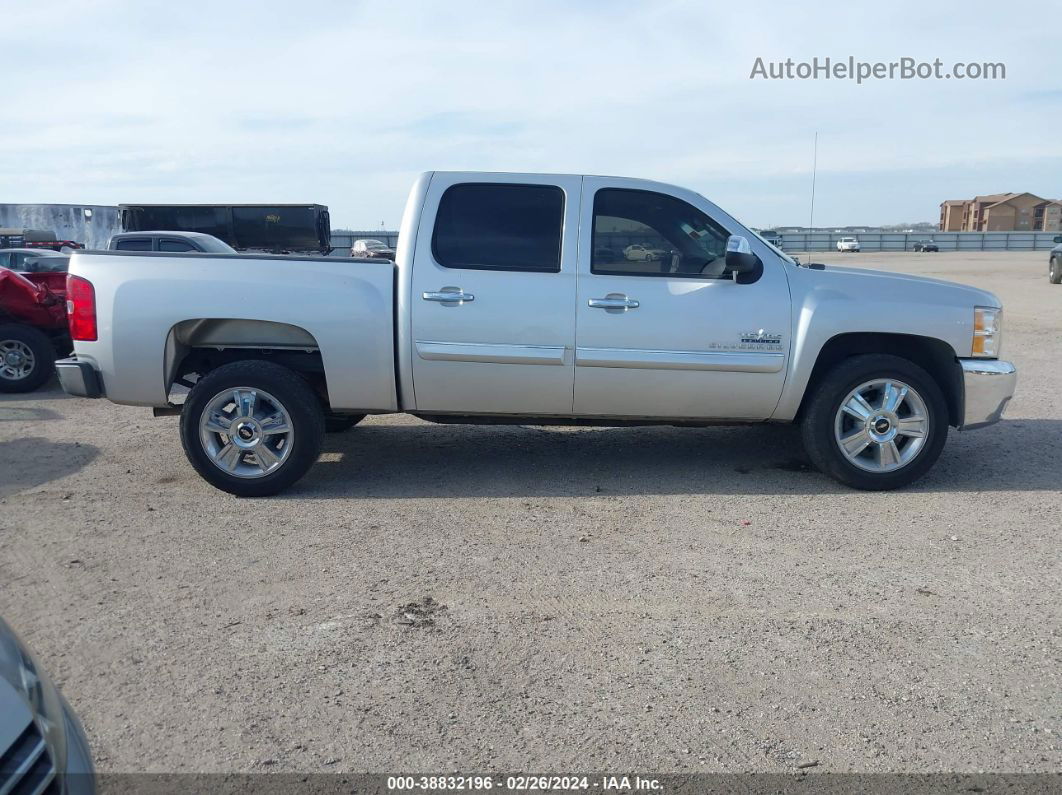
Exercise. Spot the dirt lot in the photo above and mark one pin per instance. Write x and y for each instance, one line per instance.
(492, 599)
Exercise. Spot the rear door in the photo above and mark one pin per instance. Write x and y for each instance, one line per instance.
(493, 286)
(668, 334)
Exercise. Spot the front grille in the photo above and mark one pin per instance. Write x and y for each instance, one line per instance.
(26, 767)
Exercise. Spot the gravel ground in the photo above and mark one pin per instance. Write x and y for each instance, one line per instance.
(435, 598)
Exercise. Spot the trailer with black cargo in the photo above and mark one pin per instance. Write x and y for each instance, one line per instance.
(270, 228)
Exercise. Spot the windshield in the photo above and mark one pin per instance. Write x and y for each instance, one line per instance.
(375, 244)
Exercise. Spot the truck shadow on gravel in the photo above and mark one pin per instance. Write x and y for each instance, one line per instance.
(50, 391)
(33, 461)
(379, 460)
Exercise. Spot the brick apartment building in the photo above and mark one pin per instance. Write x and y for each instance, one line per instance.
(1001, 212)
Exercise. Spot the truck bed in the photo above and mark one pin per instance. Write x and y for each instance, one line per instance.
(152, 307)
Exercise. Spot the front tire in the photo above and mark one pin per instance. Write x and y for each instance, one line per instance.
(252, 428)
(875, 422)
(1054, 272)
(27, 358)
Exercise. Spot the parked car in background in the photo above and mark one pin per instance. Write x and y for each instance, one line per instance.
(372, 249)
(1054, 267)
(498, 311)
(33, 329)
(33, 260)
(924, 245)
(636, 252)
(849, 244)
(43, 748)
(172, 242)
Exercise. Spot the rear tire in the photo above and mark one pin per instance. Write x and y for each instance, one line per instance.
(1054, 271)
(27, 358)
(261, 444)
(903, 439)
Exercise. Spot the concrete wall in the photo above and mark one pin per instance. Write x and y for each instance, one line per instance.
(902, 241)
(90, 224)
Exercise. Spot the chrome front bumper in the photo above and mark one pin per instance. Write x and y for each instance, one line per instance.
(988, 385)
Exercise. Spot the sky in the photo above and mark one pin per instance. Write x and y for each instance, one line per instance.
(344, 103)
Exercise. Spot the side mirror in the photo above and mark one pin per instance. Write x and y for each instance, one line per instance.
(741, 261)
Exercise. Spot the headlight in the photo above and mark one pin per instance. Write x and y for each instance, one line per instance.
(987, 334)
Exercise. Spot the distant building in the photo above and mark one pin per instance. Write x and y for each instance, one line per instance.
(1001, 212)
(89, 224)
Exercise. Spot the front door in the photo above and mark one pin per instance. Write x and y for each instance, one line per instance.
(662, 330)
(493, 286)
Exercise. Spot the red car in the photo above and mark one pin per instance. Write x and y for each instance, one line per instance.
(33, 328)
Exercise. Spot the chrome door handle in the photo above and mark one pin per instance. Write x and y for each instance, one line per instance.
(613, 302)
(453, 295)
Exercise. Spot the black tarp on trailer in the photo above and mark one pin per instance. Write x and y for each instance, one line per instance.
(274, 228)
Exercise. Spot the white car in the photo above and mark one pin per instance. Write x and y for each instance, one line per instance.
(372, 248)
(848, 244)
(639, 253)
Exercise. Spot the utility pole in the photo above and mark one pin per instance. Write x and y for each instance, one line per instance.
(814, 171)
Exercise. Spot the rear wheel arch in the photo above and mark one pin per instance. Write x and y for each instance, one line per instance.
(934, 356)
(197, 346)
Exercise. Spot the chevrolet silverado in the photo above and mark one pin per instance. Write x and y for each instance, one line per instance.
(500, 308)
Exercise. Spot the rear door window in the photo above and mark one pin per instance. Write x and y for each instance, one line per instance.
(491, 226)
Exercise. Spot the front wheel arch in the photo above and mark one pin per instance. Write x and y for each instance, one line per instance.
(934, 356)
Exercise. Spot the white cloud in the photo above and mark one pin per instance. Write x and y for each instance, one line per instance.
(343, 103)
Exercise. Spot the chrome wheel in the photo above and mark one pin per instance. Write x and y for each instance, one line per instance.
(881, 425)
(246, 432)
(16, 360)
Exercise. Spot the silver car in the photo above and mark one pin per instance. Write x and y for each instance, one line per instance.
(42, 745)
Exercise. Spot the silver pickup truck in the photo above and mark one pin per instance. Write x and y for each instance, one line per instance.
(538, 299)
